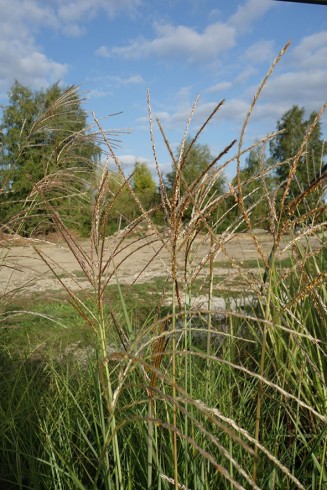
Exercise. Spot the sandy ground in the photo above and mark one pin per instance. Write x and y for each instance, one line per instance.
(22, 270)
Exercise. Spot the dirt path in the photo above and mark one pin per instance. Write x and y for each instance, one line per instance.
(138, 259)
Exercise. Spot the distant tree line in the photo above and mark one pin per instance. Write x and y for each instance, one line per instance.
(49, 160)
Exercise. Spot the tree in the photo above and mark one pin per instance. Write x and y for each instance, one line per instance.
(195, 163)
(119, 202)
(286, 145)
(256, 181)
(199, 157)
(17, 119)
(45, 142)
(144, 185)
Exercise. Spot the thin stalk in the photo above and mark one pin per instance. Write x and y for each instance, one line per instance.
(103, 429)
(279, 422)
(150, 436)
(297, 423)
(109, 397)
(174, 392)
(231, 357)
(208, 340)
(323, 475)
(260, 384)
(210, 296)
(276, 448)
(186, 359)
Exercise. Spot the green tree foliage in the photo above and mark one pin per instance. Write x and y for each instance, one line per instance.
(122, 206)
(144, 185)
(194, 162)
(286, 145)
(199, 157)
(45, 142)
(256, 183)
(120, 203)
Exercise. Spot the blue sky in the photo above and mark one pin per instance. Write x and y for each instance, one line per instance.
(117, 49)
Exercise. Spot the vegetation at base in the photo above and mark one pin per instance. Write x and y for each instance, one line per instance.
(171, 394)
(38, 325)
(53, 420)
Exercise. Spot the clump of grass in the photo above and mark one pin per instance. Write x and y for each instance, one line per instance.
(153, 407)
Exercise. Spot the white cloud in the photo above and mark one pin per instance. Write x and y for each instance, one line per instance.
(248, 13)
(301, 79)
(260, 51)
(311, 52)
(184, 94)
(172, 41)
(119, 81)
(103, 51)
(219, 87)
(23, 12)
(98, 93)
(73, 30)
(128, 162)
(133, 80)
(304, 80)
(214, 13)
(302, 88)
(75, 10)
(20, 21)
(233, 110)
(106, 84)
(245, 74)
(160, 115)
(277, 98)
(20, 59)
(36, 66)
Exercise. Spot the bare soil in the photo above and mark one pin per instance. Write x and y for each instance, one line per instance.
(137, 259)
